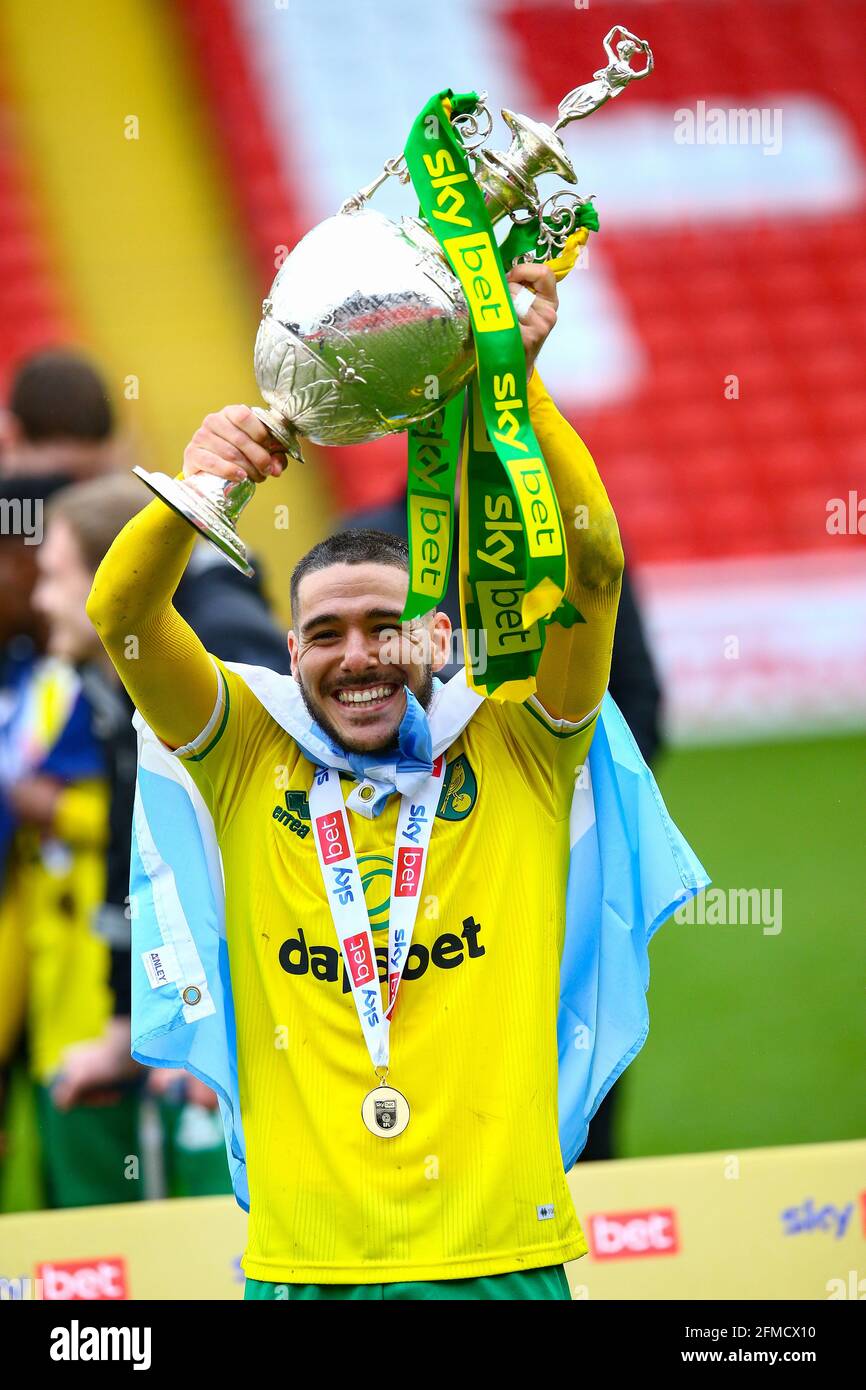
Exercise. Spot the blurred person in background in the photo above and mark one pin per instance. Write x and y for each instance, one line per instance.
(53, 815)
(57, 426)
(59, 418)
(82, 523)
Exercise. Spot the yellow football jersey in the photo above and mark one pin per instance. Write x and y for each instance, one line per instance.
(475, 1184)
(59, 887)
(55, 884)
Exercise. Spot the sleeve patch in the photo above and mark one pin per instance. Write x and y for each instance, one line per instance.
(559, 728)
(213, 730)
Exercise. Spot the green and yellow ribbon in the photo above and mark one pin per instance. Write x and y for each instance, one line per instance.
(513, 561)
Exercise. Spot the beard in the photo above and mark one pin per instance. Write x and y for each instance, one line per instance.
(390, 743)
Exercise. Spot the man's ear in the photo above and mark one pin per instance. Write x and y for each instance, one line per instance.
(440, 640)
(292, 643)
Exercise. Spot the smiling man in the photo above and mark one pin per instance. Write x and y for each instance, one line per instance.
(396, 1050)
(354, 588)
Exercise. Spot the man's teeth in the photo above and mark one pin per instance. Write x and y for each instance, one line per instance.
(365, 697)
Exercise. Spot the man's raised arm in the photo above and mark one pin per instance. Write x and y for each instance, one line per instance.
(160, 660)
(575, 665)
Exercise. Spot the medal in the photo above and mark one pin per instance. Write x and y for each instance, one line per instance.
(385, 1111)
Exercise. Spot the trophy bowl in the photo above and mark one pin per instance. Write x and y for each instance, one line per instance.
(365, 331)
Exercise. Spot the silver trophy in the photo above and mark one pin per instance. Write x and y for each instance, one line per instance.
(364, 313)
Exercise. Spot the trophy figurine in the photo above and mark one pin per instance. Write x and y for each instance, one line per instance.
(365, 312)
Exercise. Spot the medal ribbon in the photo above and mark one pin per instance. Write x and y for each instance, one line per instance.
(344, 891)
(513, 568)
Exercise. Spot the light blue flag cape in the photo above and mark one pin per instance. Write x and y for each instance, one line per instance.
(629, 869)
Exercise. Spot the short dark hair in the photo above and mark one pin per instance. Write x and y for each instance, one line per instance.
(61, 395)
(364, 546)
(97, 511)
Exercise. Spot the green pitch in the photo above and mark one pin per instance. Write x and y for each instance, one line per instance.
(757, 1038)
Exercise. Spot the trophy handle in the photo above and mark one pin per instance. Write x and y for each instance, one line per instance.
(392, 168)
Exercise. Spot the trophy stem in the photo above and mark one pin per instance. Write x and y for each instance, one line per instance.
(210, 504)
(281, 428)
(507, 177)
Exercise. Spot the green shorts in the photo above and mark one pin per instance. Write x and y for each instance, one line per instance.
(548, 1283)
